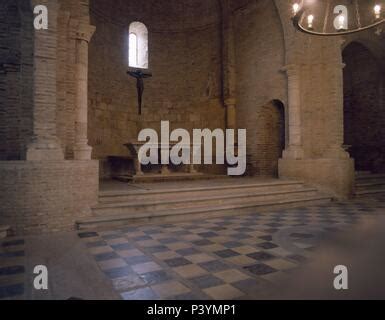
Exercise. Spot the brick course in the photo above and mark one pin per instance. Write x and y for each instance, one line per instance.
(46, 196)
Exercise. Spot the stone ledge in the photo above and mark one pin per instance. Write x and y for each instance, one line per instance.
(332, 176)
(4, 231)
(47, 196)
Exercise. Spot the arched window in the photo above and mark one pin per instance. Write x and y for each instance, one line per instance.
(138, 46)
(133, 50)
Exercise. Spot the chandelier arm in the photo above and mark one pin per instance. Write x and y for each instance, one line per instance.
(326, 15)
(299, 16)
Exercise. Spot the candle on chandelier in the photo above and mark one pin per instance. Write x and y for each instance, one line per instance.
(341, 22)
(310, 20)
(295, 8)
(377, 11)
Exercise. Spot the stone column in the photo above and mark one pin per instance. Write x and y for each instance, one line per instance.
(231, 114)
(44, 144)
(294, 149)
(335, 150)
(84, 33)
(228, 57)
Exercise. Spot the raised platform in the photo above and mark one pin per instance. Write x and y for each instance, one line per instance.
(122, 204)
(174, 176)
(368, 183)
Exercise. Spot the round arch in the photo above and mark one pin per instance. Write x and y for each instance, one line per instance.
(363, 100)
(272, 136)
(138, 45)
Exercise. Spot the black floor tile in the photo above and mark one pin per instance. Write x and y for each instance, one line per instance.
(11, 291)
(118, 272)
(260, 269)
(177, 262)
(214, 266)
(261, 256)
(155, 277)
(206, 281)
(8, 271)
(226, 253)
(106, 256)
(267, 245)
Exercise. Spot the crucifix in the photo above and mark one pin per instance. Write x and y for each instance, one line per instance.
(139, 75)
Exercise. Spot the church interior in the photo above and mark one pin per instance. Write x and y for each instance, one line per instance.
(76, 198)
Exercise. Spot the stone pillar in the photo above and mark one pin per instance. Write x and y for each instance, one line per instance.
(228, 61)
(84, 33)
(231, 114)
(294, 149)
(335, 150)
(44, 144)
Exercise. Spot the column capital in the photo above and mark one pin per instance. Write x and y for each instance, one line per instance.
(291, 69)
(230, 102)
(84, 32)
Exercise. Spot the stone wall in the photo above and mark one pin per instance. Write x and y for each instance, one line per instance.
(184, 58)
(46, 196)
(36, 112)
(260, 57)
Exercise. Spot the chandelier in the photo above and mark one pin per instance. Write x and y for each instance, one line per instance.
(329, 18)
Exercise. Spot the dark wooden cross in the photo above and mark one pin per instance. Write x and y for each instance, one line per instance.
(139, 75)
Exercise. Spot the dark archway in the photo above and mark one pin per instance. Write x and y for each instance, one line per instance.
(364, 118)
(272, 140)
(16, 76)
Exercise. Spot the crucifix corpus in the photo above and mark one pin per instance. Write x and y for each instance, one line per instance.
(139, 75)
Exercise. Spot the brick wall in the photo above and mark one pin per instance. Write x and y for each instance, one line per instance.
(184, 57)
(46, 196)
(39, 196)
(260, 56)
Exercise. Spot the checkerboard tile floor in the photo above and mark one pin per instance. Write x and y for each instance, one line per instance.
(12, 270)
(235, 257)
(221, 258)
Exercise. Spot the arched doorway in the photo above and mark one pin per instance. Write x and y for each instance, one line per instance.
(272, 137)
(16, 65)
(364, 118)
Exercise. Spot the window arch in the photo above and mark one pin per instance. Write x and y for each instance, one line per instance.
(138, 45)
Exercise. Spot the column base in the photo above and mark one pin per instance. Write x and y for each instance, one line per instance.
(334, 176)
(47, 196)
(293, 152)
(40, 150)
(82, 152)
(336, 152)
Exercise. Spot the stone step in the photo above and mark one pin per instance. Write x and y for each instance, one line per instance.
(370, 177)
(4, 231)
(180, 214)
(360, 173)
(191, 192)
(368, 192)
(148, 177)
(200, 200)
(370, 185)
